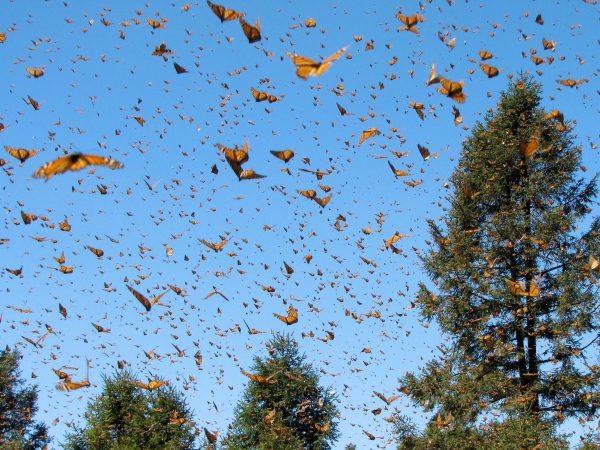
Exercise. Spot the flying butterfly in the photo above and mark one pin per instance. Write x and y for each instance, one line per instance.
(216, 247)
(259, 378)
(151, 385)
(490, 71)
(291, 318)
(28, 218)
(73, 162)
(161, 50)
(35, 73)
(154, 24)
(322, 202)
(236, 155)
(249, 175)
(418, 107)
(548, 45)
(572, 83)
(96, 251)
(452, 90)
(387, 400)
(306, 67)
(528, 149)
(398, 172)
(262, 96)
(410, 22)
(483, 54)
(20, 153)
(424, 151)
(284, 155)
(367, 134)
(252, 32)
(179, 69)
(223, 13)
(143, 300)
(31, 101)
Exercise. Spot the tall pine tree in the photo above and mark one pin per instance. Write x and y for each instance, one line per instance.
(283, 406)
(516, 286)
(18, 405)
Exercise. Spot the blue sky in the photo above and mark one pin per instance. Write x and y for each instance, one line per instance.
(95, 83)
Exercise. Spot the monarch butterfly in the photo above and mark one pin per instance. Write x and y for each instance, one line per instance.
(262, 96)
(410, 22)
(60, 259)
(140, 120)
(284, 155)
(34, 104)
(387, 400)
(216, 247)
(100, 328)
(324, 188)
(539, 20)
(73, 162)
(62, 310)
(222, 13)
(154, 24)
(433, 78)
(368, 134)
(64, 225)
(555, 114)
(143, 300)
(35, 73)
(161, 50)
(452, 90)
(418, 107)
(490, 71)
(259, 378)
(291, 318)
(179, 69)
(306, 67)
(398, 172)
(252, 32)
(2, 37)
(309, 194)
(151, 385)
(20, 153)
(236, 155)
(537, 60)
(249, 175)
(96, 251)
(483, 54)
(28, 218)
(288, 269)
(548, 45)
(341, 109)
(322, 428)
(457, 117)
(528, 149)
(322, 202)
(572, 83)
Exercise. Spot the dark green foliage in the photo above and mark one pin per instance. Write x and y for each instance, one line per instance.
(290, 410)
(125, 416)
(17, 408)
(517, 357)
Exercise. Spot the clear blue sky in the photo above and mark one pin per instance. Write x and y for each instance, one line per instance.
(95, 83)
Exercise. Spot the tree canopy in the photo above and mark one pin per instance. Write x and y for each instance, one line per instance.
(283, 406)
(516, 285)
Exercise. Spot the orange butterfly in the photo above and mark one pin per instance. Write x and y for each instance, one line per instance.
(490, 71)
(528, 149)
(259, 378)
(235, 155)
(96, 251)
(69, 385)
(249, 175)
(306, 67)
(368, 134)
(161, 50)
(222, 13)
(572, 83)
(341, 109)
(151, 385)
(291, 318)
(2, 37)
(284, 155)
(548, 45)
(424, 151)
(143, 300)
(309, 194)
(216, 247)
(179, 69)
(20, 153)
(322, 202)
(484, 55)
(28, 218)
(62, 310)
(452, 90)
(35, 73)
(34, 104)
(410, 22)
(387, 400)
(418, 107)
(537, 61)
(211, 437)
(398, 172)
(252, 32)
(73, 162)
(100, 328)
(262, 96)
(154, 24)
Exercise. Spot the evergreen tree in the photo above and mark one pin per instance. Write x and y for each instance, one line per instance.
(284, 407)
(517, 287)
(124, 416)
(18, 405)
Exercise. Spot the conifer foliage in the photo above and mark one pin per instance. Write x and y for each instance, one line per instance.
(516, 284)
(124, 416)
(18, 405)
(284, 407)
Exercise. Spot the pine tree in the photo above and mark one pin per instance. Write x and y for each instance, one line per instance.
(124, 416)
(18, 405)
(516, 283)
(284, 407)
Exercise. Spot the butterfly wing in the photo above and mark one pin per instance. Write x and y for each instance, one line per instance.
(252, 32)
(140, 298)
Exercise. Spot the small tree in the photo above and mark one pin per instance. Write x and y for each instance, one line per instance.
(283, 406)
(517, 286)
(18, 405)
(125, 416)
